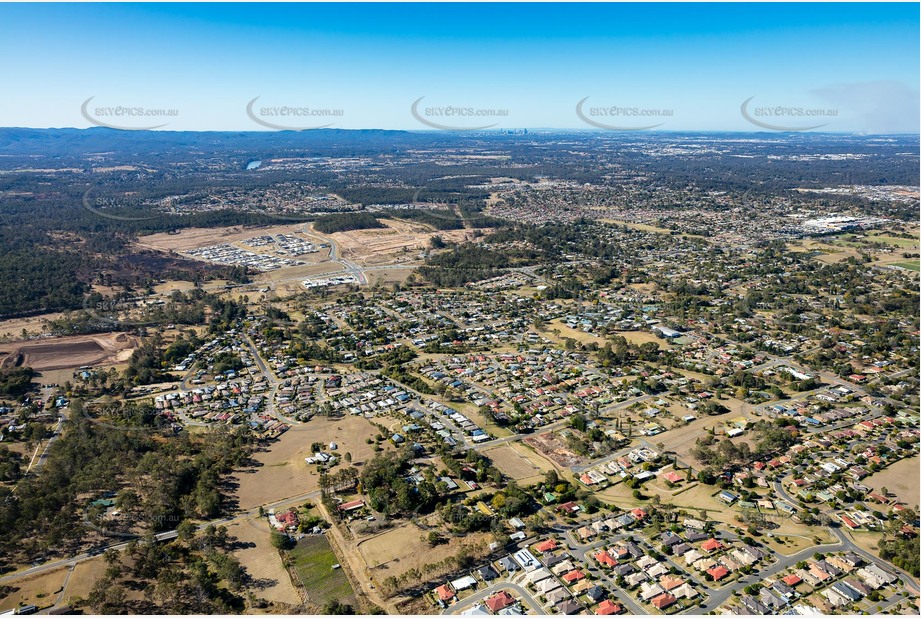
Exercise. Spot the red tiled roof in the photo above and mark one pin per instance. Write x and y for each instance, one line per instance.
(608, 607)
(605, 558)
(548, 545)
(574, 576)
(670, 583)
(850, 523)
(664, 600)
(288, 518)
(792, 579)
(444, 592)
(718, 572)
(499, 601)
(711, 545)
(354, 504)
(672, 477)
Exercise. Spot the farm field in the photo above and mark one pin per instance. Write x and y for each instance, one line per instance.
(313, 559)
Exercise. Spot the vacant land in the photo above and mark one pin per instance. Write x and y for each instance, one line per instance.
(82, 579)
(40, 590)
(515, 464)
(698, 497)
(553, 446)
(69, 352)
(281, 471)
(312, 560)
(572, 333)
(398, 243)
(262, 562)
(636, 337)
(400, 549)
(683, 438)
(193, 238)
(639, 337)
(901, 478)
(11, 328)
(637, 226)
(896, 241)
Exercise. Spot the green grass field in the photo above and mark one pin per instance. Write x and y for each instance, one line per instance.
(313, 559)
(851, 240)
(914, 265)
(904, 243)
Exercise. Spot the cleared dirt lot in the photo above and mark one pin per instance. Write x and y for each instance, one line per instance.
(69, 352)
(398, 243)
(553, 447)
(263, 563)
(281, 471)
(193, 238)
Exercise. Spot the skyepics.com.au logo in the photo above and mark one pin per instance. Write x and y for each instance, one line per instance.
(125, 117)
(291, 117)
(109, 520)
(455, 117)
(785, 117)
(114, 312)
(128, 418)
(117, 206)
(621, 118)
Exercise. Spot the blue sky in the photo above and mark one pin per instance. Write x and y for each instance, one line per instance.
(690, 66)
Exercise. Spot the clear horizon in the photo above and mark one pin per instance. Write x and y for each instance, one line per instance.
(831, 68)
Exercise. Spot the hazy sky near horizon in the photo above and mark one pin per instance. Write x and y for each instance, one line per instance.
(689, 67)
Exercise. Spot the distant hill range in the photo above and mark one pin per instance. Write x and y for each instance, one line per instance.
(99, 139)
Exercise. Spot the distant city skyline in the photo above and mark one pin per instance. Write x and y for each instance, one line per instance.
(678, 67)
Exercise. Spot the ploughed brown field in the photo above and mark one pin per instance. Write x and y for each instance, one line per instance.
(68, 352)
